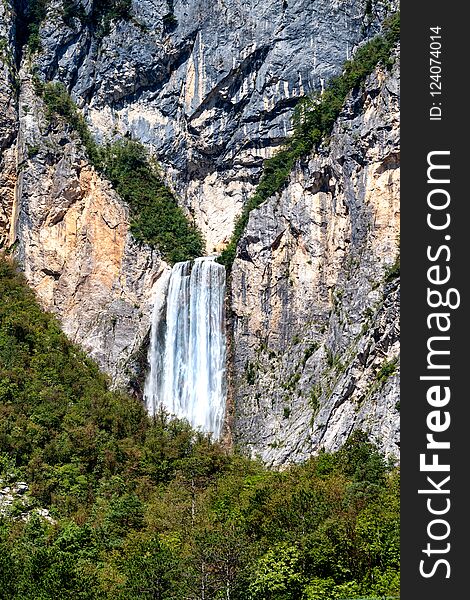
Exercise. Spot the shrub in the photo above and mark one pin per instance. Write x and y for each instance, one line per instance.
(387, 369)
(35, 16)
(150, 508)
(71, 10)
(157, 218)
(104, 12)
(58, 102)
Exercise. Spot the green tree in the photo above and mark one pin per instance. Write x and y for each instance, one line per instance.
(277, 575)
(146, 506)
(151, 570)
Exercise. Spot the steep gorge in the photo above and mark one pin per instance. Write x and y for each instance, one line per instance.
(211, 92)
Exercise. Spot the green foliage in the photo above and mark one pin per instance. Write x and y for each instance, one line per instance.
(334, 361)
(251, 372)
(156, 217)
(59, 421)
(393, 271)
(369, 7)
(313, 121)
(170, 22)
(32, 150)
(36, 14)
(277, 575)
(148, 508)
(359, 460)
(8, 471)
(59, 103)
(314, 398)
(103, 13)
(150, 569)
(387, 369)
(276, 171)
(8, 58)
(309, 351)
(292, 381)
(71, 10)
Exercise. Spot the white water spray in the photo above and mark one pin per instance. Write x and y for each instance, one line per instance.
(188, 346)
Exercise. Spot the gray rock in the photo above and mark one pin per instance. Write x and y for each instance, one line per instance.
(74, 243)
(315, 329)
(21, 487)
(212, 96)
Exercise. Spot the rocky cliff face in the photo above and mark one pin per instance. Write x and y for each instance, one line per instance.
(315, 295)
(208, 84)
(73, 238)
(8, 118)
(209, 87)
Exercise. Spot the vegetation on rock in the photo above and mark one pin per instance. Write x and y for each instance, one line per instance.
(105, 12)
(59, 103)
(148, 508)
(313, 121)
(156, 217)
(100, 17)
(36, 14)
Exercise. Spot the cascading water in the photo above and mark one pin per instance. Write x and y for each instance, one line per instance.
(188, 346)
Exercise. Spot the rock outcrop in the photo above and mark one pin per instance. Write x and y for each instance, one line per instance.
(315, 296)
(16, 504)
(208, 85)
(73, 239)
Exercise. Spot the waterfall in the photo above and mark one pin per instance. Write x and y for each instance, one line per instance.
(188, 347)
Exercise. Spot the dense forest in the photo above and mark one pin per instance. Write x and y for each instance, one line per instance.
(148, 508)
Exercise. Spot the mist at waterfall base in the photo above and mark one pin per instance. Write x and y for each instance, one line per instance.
(188, 346)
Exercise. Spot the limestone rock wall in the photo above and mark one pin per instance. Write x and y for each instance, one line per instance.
(8, 117)
(208, 84)
(73, 240)
(314, 294)
(209, 87)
